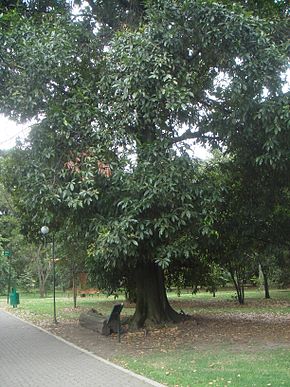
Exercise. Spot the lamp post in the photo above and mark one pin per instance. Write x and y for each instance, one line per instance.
(44, 231)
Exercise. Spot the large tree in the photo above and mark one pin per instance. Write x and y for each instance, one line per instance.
(117, 95)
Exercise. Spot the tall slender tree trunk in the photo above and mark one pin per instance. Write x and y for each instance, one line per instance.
(239, 285)
(41, 288)
(266, 281)
(152, 306)
(74, 288)
(43, 274)
(43, 271)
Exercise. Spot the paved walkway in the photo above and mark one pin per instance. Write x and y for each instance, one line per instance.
(31, 357)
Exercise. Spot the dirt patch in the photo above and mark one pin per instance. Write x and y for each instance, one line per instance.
(237, 332)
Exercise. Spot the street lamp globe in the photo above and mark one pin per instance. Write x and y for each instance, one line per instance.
(44, 230)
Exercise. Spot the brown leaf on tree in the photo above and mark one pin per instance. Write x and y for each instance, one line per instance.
(104, 169)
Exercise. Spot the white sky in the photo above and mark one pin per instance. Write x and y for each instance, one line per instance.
(10, 131)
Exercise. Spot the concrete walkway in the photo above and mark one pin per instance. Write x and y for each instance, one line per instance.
(31, 357)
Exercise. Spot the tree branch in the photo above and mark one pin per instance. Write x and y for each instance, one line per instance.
(187, 135)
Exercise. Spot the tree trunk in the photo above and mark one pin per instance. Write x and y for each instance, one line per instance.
(152, 306)
(43, 272)
(266, 282)
(239, 285)
(41, 289)
(74, 289)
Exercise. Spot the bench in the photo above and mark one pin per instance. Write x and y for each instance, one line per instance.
(104, 325)
(84, 292)
(114, 320)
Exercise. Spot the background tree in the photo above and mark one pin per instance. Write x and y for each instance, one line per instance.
(72, 256)
(13, 242)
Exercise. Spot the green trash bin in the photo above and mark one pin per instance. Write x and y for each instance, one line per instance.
(14, 298)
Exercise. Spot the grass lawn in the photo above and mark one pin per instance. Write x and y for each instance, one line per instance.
(232, 345)
(219, 367)
(202, 302)
(41, 309)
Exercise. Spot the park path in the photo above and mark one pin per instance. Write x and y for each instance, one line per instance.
(31, 357)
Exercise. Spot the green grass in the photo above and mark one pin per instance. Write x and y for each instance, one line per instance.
(214, 368)
(41, 309)
(204, 302)
(225, 295)
(200, 303)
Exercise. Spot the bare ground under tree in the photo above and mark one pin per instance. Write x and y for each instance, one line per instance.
(245, 330)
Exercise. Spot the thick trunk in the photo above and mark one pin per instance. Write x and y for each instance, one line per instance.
(152, 306)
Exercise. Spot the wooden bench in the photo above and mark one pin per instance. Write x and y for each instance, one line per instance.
(84, 292)
(104, 325)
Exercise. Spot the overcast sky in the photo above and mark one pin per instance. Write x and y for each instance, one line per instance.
(10, 131)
